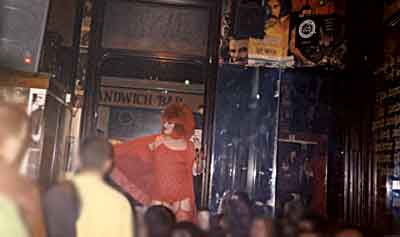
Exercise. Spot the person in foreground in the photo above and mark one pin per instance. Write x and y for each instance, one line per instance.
(11, 222)
(19, 194)
(159, 221)
(89, 206)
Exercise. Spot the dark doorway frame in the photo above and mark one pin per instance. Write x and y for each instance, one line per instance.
(208, 67)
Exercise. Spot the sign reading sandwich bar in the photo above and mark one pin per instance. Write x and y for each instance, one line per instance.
(137, 93)
(145, 98)
(131, 108)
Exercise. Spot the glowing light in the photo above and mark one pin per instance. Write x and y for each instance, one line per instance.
(187, 82)
(28, 61)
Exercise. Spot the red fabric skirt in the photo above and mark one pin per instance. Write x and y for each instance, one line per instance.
(161, 174)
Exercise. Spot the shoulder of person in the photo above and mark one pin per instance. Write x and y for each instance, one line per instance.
(136, 141)
(63, 191)
(62, 187)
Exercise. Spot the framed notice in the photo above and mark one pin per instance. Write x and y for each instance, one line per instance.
(302, 172)
(156, 28)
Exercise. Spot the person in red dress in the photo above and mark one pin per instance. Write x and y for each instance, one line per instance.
(158, 169)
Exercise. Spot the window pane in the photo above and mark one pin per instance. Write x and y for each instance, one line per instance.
(156, 28)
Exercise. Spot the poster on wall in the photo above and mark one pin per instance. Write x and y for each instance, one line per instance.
(273, 47)
(316, 34)
(86, 21)
(320, 6)
(35, 108)
(18, 95)
(297, 33)
(275, 44)
(37, 100)
(225, 31)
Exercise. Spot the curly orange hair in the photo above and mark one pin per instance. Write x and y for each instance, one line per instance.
(182, 116)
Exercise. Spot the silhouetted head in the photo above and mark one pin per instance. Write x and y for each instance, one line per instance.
(349, 231)
(178, 121)
(159, 221)
(238, 214)
(312, 222)
(186, 229)
(14, 133)
(262, 227)
(96, 155)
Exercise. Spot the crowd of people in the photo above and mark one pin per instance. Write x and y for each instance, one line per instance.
(87, 205)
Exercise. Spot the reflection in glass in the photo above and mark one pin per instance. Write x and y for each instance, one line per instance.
(245, 133)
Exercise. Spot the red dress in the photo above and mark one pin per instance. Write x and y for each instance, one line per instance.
(149, 175)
